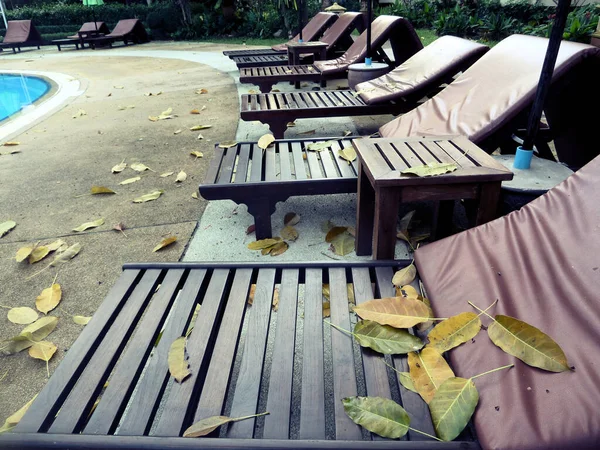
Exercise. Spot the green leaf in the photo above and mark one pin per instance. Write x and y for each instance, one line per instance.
(407, 382)
(452, 407)
(385, 339)
(148, 197)
(13, 420)
(343, 244)
(529, 344)
(454, 331)
(378, 415)
(22, 315)
(88, 225)
(430, 170)
(5, 227)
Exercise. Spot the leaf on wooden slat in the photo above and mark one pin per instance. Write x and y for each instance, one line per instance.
(454, 331)
(165, 243)
(275, 302)
(326, 309)
(452, 407)
(407, 291)
(67, 255)
(139, 167)
(81, 320)
(362, 91)
(263, 243)
(200, 127)
(407, 382)
(119, 167)
(430, 170)
(348, 153)
(334, 232)
(208, 425)
(38, 253)
(343, 244)
(130, 180)
(279, 248)
(379, 415)
(428, 370)
(289, 233)
(251, 294)
(5, 227)
(291, 219)
(181, 177)
(178, 364)
(166, 174)
(13, 420)
(528, 343)
(265, 141)
(227, 144)
(319, 146)
(22, 315)
(43, 350)
(405, 275)
(88, 225)
(49, 298)
(192, 321)
(398, 312)
(148, 197)
(385, 339)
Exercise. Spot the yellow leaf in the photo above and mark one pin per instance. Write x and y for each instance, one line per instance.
(101, 190)
(56, 245)
(263, 243)
(452, 407)
(398, 312)
(343, 244)
(181, 177)
(119, 167)
(194, 111)
(291, 219)
(38, 254)
(49, 298)
(347, 153)
(206, 426)
(407, 291)
(335, 232)
(167, 112)
(227, 144)
(88, 225)
(43, 350)
(130, 180)
(200, 127)
(139, 167)
(22, 315)
(67, 255)
(148, 197)
(202, 91)
(289, 233)
(197, 154)
(430, 170)
(13, 420)
(405, 276)
(266, 141)
(165, 243)
(177, 131)
(454, 331)
(166, 174)
(178, 365)
(319, 146)
(11, 143)
(81, 320)
(326, 309)
(118, 87)
(275, 303)
(279, 248)
(41, 328)
(5, 227)
(195, 195)
(428, 370)
(24, 252)
(79, 113)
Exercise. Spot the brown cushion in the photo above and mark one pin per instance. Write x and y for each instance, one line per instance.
(346, 23)
(491, 92)
(444, 57)
(542, 263)
(20, 32)
(101, 27)
(312, 30)
(130, 28)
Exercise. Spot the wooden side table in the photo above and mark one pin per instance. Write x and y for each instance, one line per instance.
(316, 48)
(381, 186)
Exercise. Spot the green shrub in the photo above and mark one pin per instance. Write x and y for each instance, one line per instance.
(459, 21)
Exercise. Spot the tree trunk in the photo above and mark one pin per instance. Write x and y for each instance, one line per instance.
(186, 11)
(228, 8)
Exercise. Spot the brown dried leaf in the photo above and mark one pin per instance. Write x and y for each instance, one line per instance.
(251, 229)
(399, 312)
(291, 219)
(101, 190)
(202, 91)
(275, 303)
(165, 243)
(335, 232)
(289, 233)
(263, 243)
(178, 364)
(279, 248)
(251, 294)
(326, 309)
(195, 111)
(405, 275)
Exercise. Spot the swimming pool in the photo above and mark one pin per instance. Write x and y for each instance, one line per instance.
(18, 92)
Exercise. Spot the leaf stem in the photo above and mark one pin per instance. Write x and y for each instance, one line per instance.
(481, 310)
(493, 370)
(425, 434)
(343, 330)
(4, 376)
(250, 416)
(390, 366)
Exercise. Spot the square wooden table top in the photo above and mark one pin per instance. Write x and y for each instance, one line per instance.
(308, 44)
(383, 160)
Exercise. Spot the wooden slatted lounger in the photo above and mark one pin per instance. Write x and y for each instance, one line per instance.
(19, 34)
(311, 32)
(394, 93)
(300, 378)
(398, 31)
(337, 36)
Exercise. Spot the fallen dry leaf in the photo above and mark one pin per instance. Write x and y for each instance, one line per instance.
(22, 315)
(177, 131)
(200, 127)
(227, 144)
(11, 143)
(251, 229)
(49, 298)
(38, 253)
(289, 233)
(43, 350)
(195, 111)
(405, 275)
(266, 141)
(202, 91)
(5, 227)
(279, 248)
(148, 197)
(291, 219)
(24, 252)
(275, 303)
(101, 190)
(181, 177)
(429, 170)
(178, 365)
(165, 243)
(79, 113)
(88, 225)
(120, 227)
(139, 167)
(130, 180)
(67, 255)
(347, 153)
(166, 174)
(81, 320)
(263, 243)
(197, 154)
(195, 195)
(119, 167)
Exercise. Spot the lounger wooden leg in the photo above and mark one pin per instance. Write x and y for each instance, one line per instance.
(488, 202)
(364, 215)
(261, 209)
(278, 128)
(386, 217)
(265, 87)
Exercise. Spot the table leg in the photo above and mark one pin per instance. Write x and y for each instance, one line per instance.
(323, 55)
(443, 215)
(386, 217)
(365, 210)
(489, 196)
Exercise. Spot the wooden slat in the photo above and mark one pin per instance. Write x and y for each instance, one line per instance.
(344, 376)
(290, 101)
(126, 373)
(475, 153)
(328, 164)
(299, 164)
(149, 390)
(270, 167)
(308, 100)
(312, 409)
(411, 158)
(392, 155)
(176, 406)
(281, 101)
(253, 105)
(284, 162)
(263, 102)
(257, 164)
(313, 163)
(343, 166)
(272, 102)
(241, 171)
(227, 166)
(326, 99)
(422, 152)
(373, 161)
(48, 400)
(213, 169)
(350, 98)
(316, 100)
(245, 102)
(81, 398)
(453, 153)
(439, 153)
(247, 389)
(217, 376)
(299, 99)
(279, 402)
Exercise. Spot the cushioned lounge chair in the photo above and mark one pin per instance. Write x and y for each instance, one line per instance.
(487, 103)
(393, 93)
(337, 37)
(398, 31)
(542, 264)
(77, 39)
(312, 31)
(127, 30)
(21, 33)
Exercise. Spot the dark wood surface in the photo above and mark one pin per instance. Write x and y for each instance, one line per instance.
(382, 186)
(227, 330)
(254, 52)
(274, 59)
(266, 77)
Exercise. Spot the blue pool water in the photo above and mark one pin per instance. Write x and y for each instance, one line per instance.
(19, 91)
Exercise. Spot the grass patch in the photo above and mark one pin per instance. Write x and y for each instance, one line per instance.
(427, 36)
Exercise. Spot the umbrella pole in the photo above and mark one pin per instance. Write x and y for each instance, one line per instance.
(369, 59)
(535, 115)
(3, 14)
(299, 5)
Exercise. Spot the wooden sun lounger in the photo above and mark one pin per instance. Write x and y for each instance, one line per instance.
(312, 31)
(300, 378)
(337, 37)
(126, 30)
(19, 34)
(398, 31)
(88, 28)
(394, 93)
